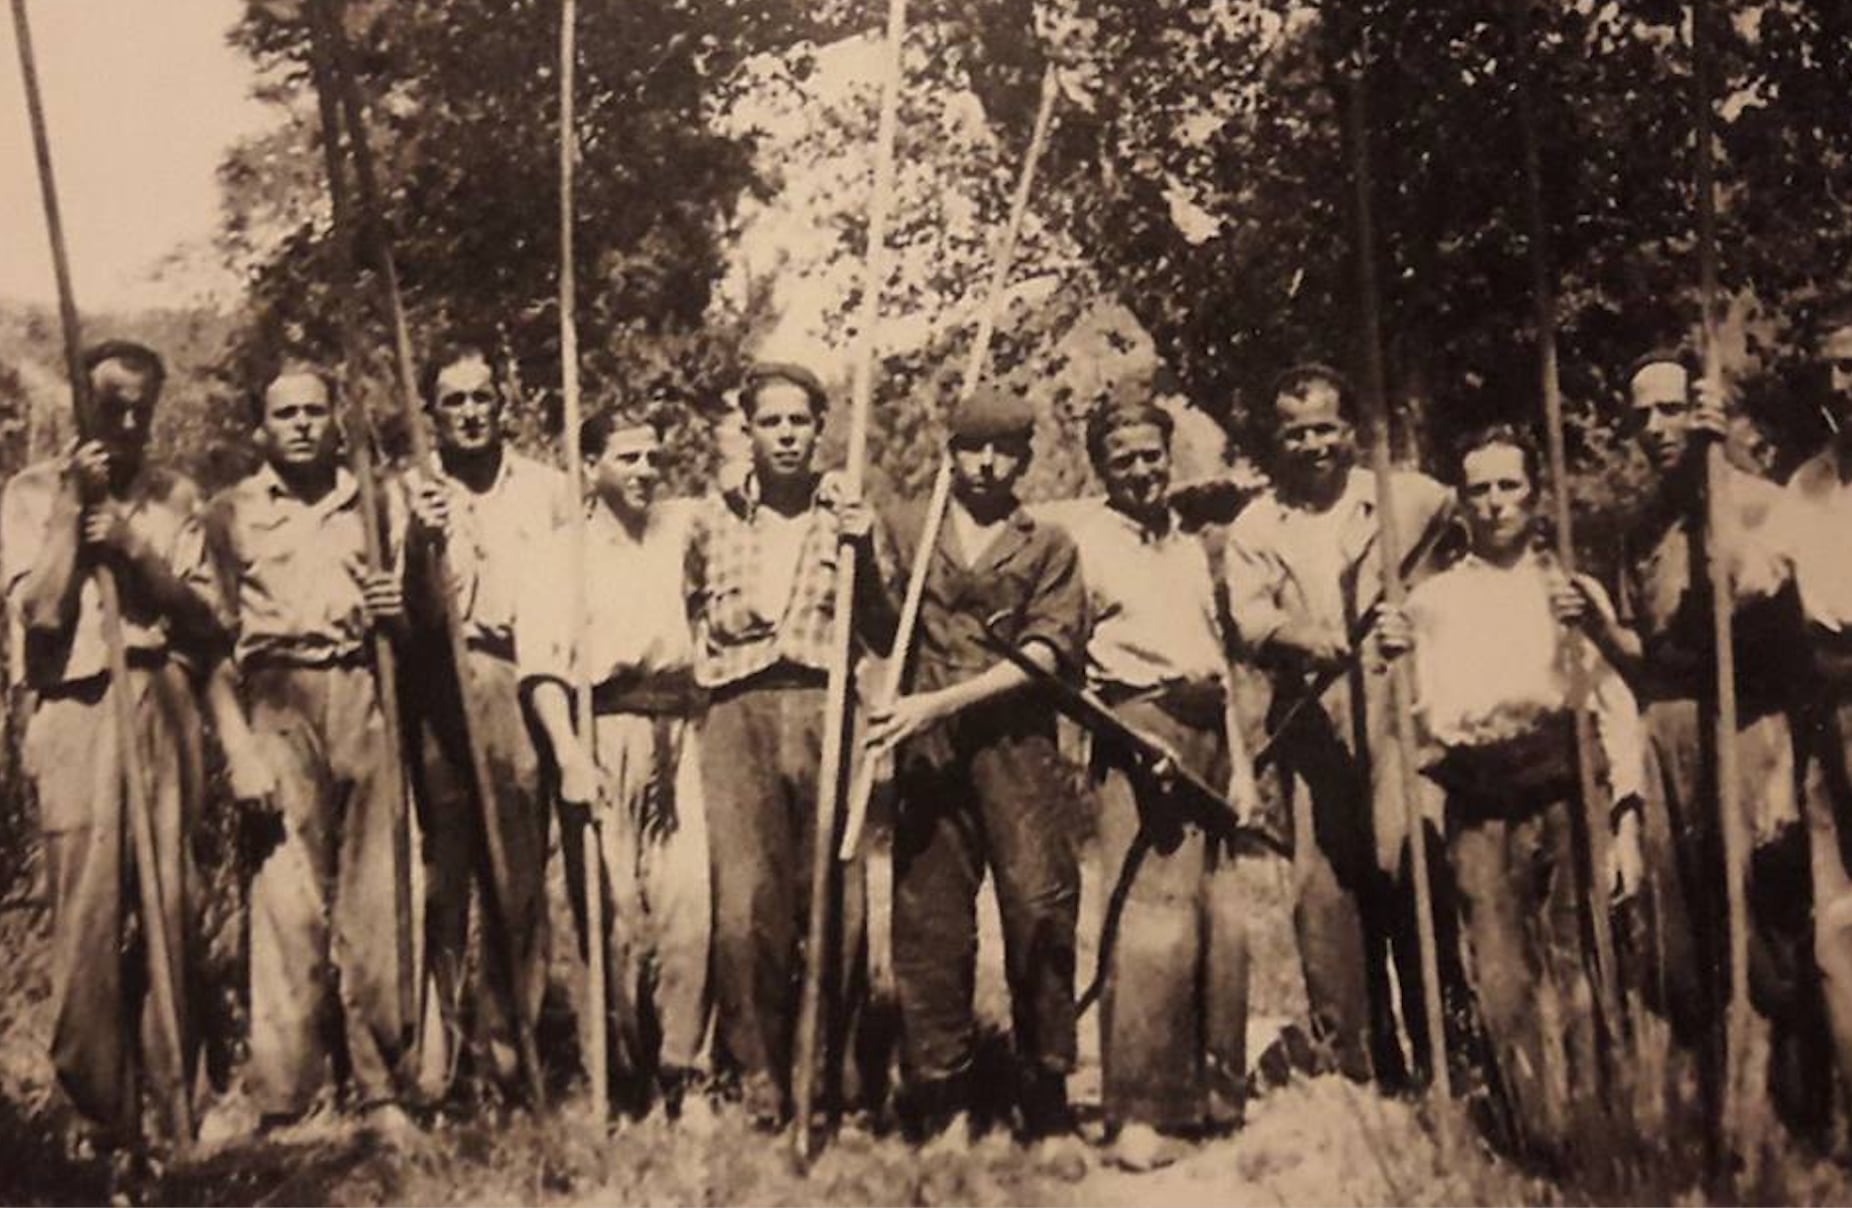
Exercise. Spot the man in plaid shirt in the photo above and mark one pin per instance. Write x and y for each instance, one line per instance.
(761, 570)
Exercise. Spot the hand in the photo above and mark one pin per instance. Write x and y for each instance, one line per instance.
(253, 781)
(1709, 410)
(890, 726)
(430, 503)
(1244, 796)
(855, 520)
(1572, 599)
(1626, 858)
(382, 596)
(106, 528)
(578, 777)
(1392, 633)
(88, 467)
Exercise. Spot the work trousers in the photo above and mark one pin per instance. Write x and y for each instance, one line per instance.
(1353, 907)
(1827, 747)
(653, 836)
(760, 749)
(456, 861)
(106, 1034)
(982, 790)
(1174, 996)
(324, 925)
(1690, 977)
(1514, 876)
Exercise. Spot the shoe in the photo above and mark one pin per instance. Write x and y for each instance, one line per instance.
(1045, 1110)
(1140, 1148)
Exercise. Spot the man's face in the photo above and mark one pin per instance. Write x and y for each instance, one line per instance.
(1659, 412)
(1499, 497)
(784, 430)
(123, 401)
(467, 407)
(298, 430)
(1135, 463)
(1836, 351)
(1315, 440)
(627, 474)
(985, 472)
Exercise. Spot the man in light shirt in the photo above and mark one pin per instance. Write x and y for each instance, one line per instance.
(1493, 700)
(491, 510)
(1302, 567)
(640, 772)
(1173, 1003)
(289, 542)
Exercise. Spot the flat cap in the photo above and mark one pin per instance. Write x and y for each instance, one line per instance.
(991, 413)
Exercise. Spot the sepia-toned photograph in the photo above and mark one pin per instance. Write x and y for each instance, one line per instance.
(926, 602)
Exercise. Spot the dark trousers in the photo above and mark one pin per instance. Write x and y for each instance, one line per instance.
(106, 1038)
(324, 944)
(980, 792)
(1173, 1004)
(760, 751)
(456, 861)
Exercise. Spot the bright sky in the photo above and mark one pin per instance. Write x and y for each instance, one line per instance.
(142, 97)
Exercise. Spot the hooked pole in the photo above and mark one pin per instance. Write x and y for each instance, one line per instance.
(325, 15)
(1591, 823)
(837, 704)
(1719, 519)
(868, 771)
(1389, 547)
(163, 969)
(596, 1059)
(360, 454)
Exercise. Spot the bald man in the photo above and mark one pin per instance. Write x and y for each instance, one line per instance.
(314, 765)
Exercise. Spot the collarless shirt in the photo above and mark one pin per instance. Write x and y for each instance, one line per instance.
(295, 569)
(495, 537)
(635, 624)
(1815, 519)
(1287, 563)
(1151, 598)
(163, 510)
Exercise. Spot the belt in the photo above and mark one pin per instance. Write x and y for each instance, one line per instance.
(675, 695)
(495, 645)
(781, 675)
(278, 660)
(139, 658)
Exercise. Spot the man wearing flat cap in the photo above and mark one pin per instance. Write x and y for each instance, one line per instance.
(977, 780)
(760, 582)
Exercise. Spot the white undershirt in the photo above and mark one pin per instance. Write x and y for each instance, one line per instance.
(781, 541)
(973, 538)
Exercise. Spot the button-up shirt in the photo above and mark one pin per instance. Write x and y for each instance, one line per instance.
(738, 630)
(1152, 600)
(1286, 563)
(163, 509)
(296, 569)
(636, 625)
(495, 536)
(1488, 664)
(1815, 523)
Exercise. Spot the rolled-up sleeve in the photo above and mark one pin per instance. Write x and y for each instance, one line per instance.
(1255, 580)
(545, 646)
(1617, 719)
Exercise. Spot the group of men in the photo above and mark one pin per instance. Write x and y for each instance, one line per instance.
(705, 629)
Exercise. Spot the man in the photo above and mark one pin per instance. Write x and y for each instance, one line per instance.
(1492, 698)
(1665, 600)
(492, 511)
(640, 771)
(1303, 566)
(1174, 999)
(977, 783)
(760, 582)
(104, 506)
(291, 548)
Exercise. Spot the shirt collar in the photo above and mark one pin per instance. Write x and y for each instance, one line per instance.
(346, 488)
(1149, 534)
(743, 499)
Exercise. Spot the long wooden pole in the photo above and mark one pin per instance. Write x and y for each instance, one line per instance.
(836, 709)
(327, 22)
(596, 1060)
(1389, 546)
(868, 771)
(1720, 520)
(1592, 822)
(360, 453)
(162, 970)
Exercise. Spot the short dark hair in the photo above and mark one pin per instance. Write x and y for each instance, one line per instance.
(1293, 382)
(291, 366)
(1501, 433)
(1667, 355)
(1116, 414)
(138, 357)
(596, 431)
(767, 373)
(455, 348)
